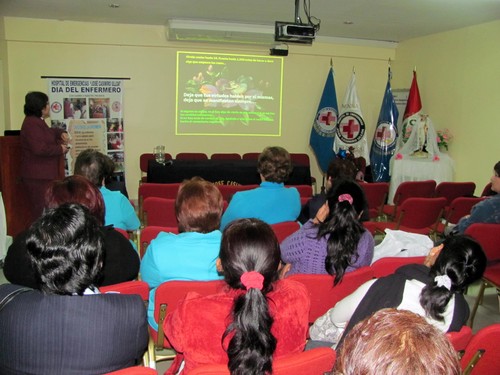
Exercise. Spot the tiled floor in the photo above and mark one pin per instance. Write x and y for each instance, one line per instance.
(487, 314)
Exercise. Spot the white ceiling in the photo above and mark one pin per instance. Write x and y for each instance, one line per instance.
(384, 20)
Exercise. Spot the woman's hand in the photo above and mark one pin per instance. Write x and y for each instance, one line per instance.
(322, 214)
(65, 148)
(65, 138)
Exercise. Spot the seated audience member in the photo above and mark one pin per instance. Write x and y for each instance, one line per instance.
(121, 261)
(271, 202)
(96, 167)
(68, 327)
(191, 254)
(334, 242)
(255, 320)
(396, 342)
(433, 290)
(487, 211)
(338, 169)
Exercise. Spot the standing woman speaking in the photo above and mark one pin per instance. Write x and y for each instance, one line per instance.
(42, 150)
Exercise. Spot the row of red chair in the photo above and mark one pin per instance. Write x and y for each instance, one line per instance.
(323, 296)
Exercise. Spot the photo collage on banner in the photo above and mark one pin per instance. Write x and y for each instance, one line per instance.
(91, 111)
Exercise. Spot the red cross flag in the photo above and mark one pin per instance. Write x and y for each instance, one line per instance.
(351, 132)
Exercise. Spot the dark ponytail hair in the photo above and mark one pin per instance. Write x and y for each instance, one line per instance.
(462, 259)
(343, 227)
(250, 245)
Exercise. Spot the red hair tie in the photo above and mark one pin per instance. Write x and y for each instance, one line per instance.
(345, 197)
(252, 279)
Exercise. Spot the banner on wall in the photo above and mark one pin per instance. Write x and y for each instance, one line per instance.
(91, 111)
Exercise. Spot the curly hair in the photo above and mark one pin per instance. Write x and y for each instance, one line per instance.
(34, 103)
(66, 250)
(250, 245)
(94, 165)
(275, 164)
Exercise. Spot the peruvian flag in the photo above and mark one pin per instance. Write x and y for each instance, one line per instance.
(412, 111)
(350, 133)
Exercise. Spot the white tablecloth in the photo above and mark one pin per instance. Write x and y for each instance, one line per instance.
(418, 169)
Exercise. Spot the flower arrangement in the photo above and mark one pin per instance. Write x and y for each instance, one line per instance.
(443, 138)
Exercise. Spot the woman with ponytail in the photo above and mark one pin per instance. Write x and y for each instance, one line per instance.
(334, 242)
(255, 319)
(433, 290)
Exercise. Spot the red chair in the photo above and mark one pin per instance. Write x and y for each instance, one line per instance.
(318, 361)
(143, 164)
(305, 191)
(251, 156)
(228, 191)
(488, 236)
(159, 212)
(387, 266)
(460, 339)
(376, 195)
(324, 295)
(156, 190)
(140, 288)
(452, 190)
(481, 354)
(226, 156)
(191, 156)
(409, 189)
(149, 233)
(303, 159)
(136, 370)
(487, 190)
(167, 296)
(459, 208)
(416, 215)
(283, 230)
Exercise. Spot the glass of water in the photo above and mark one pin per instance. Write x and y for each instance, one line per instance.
(159, 152)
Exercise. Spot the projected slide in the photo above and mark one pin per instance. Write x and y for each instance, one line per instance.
(228, 94)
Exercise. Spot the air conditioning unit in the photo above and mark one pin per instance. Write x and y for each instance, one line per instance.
(219, 32)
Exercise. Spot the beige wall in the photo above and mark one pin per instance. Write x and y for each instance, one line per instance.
(38, 48)
(459, 80)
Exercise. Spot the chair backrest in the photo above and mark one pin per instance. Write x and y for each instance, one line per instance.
(149, 233)
(228, 191)
(226, 156)
(300, 159)
(452, 190)
(387, 266)
(409, 189)
(376, 195)
(487, 190)
(305, 191)
(191, 156)
(145, 158)
(316, 361)
(148, 189)
(487, 235)
(460, 339)
(128, 287)
(324, 295)
(136, 370)
(421, 212)
(170, 293)
(251, 156)
(460, 207)
(284, 229)
(485, 341)
(159, 212)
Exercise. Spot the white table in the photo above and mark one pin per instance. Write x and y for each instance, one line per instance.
(420, 169)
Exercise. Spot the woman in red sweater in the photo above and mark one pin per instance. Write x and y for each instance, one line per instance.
(256, 319)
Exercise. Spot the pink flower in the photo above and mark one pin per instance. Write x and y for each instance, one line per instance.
(399, 156)
(436, 158)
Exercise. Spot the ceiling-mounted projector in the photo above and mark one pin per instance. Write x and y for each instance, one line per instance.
(294, 32)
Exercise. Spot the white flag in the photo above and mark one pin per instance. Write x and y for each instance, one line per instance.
(351, 130)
